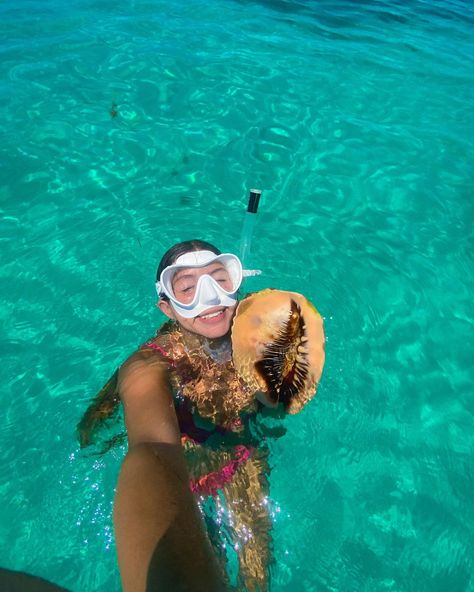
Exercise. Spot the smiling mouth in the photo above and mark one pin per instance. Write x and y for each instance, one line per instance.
(212, 315)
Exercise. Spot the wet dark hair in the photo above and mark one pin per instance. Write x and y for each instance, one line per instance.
(180, 249)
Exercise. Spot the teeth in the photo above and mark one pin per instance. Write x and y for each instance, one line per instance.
(210, 316)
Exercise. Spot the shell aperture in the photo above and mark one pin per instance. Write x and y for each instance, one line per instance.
(278, 346)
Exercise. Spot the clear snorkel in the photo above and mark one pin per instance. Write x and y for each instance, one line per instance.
(247, 231)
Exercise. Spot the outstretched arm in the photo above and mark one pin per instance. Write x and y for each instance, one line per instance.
(160, 536)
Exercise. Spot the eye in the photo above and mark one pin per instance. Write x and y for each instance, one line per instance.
(220, 276)
(184, 288)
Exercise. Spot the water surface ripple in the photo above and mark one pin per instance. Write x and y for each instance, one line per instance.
(127, 126)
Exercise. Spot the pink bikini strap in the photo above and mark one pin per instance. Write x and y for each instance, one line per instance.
(210, 483)
(162, 351)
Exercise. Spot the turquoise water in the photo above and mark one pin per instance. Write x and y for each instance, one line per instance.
(357, 121)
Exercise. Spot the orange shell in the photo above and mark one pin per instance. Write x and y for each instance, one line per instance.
(259, 323)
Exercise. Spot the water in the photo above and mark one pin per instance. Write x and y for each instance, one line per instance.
(127, 126)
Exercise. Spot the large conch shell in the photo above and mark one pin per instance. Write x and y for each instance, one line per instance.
(278, 346)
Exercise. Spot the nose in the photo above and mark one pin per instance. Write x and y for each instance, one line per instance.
(209, 294)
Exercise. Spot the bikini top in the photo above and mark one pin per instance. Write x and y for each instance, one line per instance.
(210, 398)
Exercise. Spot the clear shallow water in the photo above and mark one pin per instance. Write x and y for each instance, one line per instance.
(356, 119)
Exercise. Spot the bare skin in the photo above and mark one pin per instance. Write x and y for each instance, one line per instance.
(161, 540)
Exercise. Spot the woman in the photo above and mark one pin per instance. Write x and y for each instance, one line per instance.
(188, 417)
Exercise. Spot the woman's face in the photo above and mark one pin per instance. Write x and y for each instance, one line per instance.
(215, 321)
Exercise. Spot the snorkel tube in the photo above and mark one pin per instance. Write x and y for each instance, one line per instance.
(247, 228)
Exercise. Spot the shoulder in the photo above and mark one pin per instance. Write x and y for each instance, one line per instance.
(143, 366)
(152, 359)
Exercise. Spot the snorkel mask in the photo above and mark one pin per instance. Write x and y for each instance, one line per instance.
(208, 292)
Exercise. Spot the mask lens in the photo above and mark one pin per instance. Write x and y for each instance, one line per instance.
(185, 282)
(183, 285)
